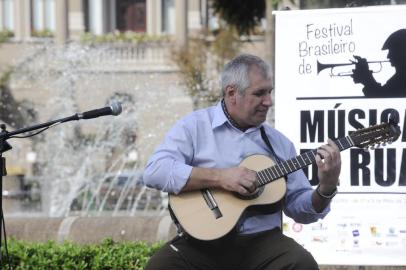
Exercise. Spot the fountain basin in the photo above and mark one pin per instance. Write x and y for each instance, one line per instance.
(88, 230)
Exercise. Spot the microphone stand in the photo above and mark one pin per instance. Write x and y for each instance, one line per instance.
(5, 146)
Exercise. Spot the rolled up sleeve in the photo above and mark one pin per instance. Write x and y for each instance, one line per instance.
(168, 168)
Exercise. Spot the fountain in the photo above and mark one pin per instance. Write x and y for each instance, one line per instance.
(94, 167)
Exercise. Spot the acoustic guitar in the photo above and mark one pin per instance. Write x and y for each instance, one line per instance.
(209, 214)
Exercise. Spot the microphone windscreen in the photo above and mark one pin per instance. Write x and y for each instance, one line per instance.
(115, 108)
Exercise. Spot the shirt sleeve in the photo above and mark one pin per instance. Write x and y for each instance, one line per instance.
(298, 200)
(168, 168)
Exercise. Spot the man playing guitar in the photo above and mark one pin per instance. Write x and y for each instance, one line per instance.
(204, 153)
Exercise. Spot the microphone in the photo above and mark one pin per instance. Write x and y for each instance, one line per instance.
(113, 109)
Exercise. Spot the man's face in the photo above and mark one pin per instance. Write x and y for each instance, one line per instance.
(253, 106)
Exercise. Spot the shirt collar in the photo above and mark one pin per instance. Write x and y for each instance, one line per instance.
(220, 119)
(219, 116)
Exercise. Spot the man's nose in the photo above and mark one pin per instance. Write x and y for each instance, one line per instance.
(267, 100)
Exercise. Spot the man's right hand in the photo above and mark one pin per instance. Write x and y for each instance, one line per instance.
(238, 179)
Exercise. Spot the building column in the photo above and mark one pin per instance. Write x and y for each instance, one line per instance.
(50, 23)
(151, 7)
(2, 19)
(44, 16)
(112, 16)
(181, 7)
(154, 17)
(76, 18)
(38, 15)
(62, 22)
(194, 15)
(269, 33)
(158, 18)
(97, 9)
(8, 15)
(22, 20)
(95, 24)
(204, 14)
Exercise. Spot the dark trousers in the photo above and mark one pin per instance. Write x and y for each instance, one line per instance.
(265, 250)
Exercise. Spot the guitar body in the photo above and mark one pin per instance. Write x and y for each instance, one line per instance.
(199, 221)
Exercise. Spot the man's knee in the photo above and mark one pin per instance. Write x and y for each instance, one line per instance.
(303, 260)
(166, 258)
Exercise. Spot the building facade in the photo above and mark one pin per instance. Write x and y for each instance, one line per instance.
(31, 18)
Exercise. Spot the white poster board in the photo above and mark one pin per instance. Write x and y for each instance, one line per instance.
(316, 99)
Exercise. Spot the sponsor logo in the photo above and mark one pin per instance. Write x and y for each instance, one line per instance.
(373, 230)
(319, 238)
(392, 232)
(297, 227)
(318, 227)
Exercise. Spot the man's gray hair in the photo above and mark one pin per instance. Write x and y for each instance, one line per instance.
(236, 71)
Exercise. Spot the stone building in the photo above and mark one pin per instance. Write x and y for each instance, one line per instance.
(63, 18)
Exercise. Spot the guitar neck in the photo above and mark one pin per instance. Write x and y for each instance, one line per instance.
(286, 167)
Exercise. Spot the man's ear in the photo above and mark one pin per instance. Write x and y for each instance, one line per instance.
(231, 93)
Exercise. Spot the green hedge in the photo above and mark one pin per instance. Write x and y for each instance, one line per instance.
(5, 35)
(107, 255)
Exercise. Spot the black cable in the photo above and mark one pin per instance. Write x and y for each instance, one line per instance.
(32, 134)
(5, 239)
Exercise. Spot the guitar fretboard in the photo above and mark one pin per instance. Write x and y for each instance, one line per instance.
(286, 167)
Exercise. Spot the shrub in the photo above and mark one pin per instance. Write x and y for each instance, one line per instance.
(50, 255)
(5, 35)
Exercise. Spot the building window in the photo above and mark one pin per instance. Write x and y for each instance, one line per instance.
(131, 15)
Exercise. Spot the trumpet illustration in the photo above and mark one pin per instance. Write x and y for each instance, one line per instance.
(333, 67)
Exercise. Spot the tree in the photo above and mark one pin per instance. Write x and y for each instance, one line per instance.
(246, 15)
(242, 14)
(12, 112)
(201, 62)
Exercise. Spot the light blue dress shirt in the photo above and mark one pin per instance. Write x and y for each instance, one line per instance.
(205, 138)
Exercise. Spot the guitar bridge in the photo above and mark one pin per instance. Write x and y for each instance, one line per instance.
(211, 203)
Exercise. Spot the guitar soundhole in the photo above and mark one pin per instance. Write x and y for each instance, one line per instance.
(250, 196)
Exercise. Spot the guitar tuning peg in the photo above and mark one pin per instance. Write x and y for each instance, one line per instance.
(384, 143)
(372, 147)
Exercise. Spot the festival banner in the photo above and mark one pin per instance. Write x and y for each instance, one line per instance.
(338, 71)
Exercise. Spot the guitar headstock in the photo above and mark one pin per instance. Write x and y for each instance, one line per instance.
(375, 135)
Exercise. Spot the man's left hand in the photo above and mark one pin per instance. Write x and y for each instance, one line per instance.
(328, 161)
